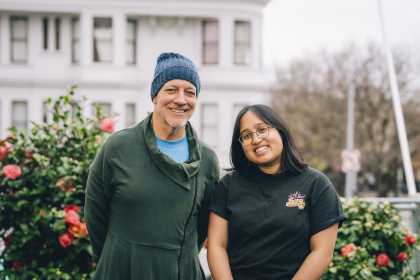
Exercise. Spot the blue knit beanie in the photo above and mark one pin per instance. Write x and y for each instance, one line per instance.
(173, 66)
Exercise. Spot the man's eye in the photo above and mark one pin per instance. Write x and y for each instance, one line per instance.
(190, 93)
(170, 90)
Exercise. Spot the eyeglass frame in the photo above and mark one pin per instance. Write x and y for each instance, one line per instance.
(260, 136)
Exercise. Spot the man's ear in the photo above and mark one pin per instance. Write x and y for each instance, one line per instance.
(154, 99)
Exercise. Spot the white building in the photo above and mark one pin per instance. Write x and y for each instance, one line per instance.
(109, 48)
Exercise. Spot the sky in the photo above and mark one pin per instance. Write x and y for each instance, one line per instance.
(295, 28)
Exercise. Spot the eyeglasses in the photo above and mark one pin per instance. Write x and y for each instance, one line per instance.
(261, 132)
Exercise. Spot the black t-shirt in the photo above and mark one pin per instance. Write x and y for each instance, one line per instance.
(271, 219)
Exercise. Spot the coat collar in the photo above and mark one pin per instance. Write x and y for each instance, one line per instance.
(180, 173)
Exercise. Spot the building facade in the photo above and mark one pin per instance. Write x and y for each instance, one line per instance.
(108, 48)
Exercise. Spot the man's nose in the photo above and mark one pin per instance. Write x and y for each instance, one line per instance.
(180, 97)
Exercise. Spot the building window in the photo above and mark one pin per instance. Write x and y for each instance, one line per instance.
(210, 41)
(102, 40)
(57, 27)
(19, 39)
(130, 114)
(209, 124)
(45, 111)
(45, 33)
(105, 107)
(20, 115)
(75, 40)
(131, 44)
(242, 43)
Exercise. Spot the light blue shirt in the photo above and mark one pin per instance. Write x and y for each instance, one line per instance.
(175, 149)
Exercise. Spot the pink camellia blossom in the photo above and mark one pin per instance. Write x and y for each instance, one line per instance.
(65, 240)
(72, 207)
(348, 250)
(402, 257)
(72, 218)
(410, 239)
(12, 171)
(382, 260)
(3, 152)
(8, 146)
(107, 125)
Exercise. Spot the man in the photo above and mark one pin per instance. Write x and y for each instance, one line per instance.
(148, 188)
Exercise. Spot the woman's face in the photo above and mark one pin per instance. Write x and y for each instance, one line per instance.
(261, 143)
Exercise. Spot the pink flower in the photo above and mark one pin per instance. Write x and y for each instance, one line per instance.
(65, 239)
(107, 125)
(12, 171)
(382, 260)
(348, 250)
(72, 207)
(410, 239)
(3, 152)
(402, 257)
(72, 218)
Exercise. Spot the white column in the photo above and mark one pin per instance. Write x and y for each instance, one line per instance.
(256, 45)
(226, 41)
(4, 39)
(119, 30)
(86, 32)
(65, 46)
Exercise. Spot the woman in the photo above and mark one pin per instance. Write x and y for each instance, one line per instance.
(272, 217)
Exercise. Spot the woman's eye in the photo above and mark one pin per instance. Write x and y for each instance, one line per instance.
(246, 136)
(261, 130)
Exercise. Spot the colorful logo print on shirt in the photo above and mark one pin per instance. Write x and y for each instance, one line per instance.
(296, 199)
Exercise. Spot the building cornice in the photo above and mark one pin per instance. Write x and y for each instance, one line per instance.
(184, 8)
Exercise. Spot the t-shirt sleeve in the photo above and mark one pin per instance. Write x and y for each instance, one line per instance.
(325, 207)
(218, 203)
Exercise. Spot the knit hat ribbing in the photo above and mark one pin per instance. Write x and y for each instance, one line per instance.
(172, 66)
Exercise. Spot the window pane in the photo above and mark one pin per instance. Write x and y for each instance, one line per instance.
(131, 29)
(20, 115)
(45, 34)
(102, 40)
(19, 27)
(105, 107)
(45, 111)
(18, 39)
(130, 114)
(210, 42)
(131, 41)
(242, 42)
(209, 124)
(75, 28)
(75, 46)
(57, 26)
(19, 51)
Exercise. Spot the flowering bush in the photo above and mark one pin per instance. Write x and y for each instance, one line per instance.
(372, 244)
(42, 179)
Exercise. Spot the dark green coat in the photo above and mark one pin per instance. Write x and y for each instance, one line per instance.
(146, 214)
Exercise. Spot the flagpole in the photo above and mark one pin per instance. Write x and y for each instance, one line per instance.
(396, 102)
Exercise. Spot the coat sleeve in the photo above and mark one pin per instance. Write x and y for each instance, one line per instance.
(203, 214)
(97, 201)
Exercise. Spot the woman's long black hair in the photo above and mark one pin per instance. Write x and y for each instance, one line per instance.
(291, 161)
